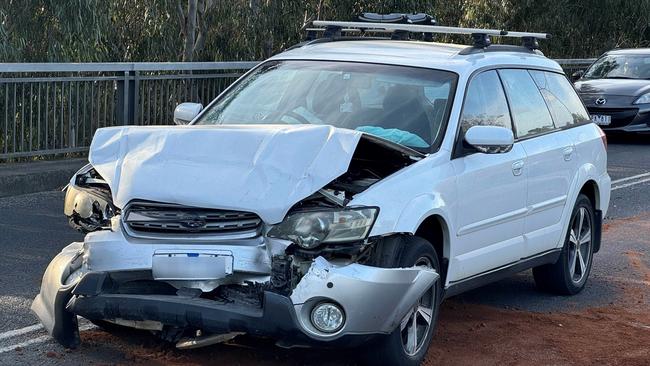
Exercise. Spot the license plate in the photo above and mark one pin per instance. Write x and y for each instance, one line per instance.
(601, 119)
(191, 265)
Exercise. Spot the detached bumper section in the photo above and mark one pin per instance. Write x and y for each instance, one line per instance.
(373, 301)
(49, 305)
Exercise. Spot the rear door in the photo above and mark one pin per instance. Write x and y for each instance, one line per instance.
(491, 203)
(550, 155)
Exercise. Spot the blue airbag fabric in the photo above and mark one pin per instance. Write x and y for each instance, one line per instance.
(395, 135)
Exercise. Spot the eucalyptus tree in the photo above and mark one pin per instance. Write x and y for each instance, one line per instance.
(175, 30)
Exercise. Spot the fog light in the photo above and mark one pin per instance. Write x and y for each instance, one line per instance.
(327, 317)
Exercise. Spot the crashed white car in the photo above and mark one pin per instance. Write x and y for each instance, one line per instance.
(334, 196)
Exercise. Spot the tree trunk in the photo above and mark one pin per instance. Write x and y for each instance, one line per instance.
(193, 26)
(190, 30)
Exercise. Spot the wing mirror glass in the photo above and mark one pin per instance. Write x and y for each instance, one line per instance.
(577, 75)
(185, 112)
(490, 139)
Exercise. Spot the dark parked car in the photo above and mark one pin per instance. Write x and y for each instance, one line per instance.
(616, 90)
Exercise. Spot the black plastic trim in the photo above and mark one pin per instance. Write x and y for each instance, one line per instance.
(65, 329)
(598, 232)
(481, 279)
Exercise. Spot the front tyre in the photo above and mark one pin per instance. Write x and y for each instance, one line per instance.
(409, 342)
(569, 274)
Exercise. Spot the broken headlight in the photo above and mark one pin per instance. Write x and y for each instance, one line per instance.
(309, 229)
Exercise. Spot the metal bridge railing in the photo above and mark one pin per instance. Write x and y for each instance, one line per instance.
(572, 65)
(55, 108)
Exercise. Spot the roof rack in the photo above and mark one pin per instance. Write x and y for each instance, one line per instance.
(334, 29)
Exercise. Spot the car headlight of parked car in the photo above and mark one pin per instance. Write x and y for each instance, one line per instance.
(644, 99)
(310, 229)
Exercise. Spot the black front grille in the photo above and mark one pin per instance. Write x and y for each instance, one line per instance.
(146, 217)
(621, 117)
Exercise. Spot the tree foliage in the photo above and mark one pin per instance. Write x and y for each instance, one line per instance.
(202, 30)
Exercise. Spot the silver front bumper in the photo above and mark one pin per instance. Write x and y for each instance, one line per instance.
(374, 299)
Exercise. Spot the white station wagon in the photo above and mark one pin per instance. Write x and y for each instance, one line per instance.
(334, 196)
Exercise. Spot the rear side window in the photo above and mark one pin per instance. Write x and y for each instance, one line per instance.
(562, 100)
(529, 111)
(485, 103)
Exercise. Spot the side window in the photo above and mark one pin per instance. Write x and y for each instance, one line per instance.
(529, 110)
(485, 103)
(562, 100)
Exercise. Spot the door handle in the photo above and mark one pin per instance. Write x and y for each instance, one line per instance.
(517, 167)
(568, 153)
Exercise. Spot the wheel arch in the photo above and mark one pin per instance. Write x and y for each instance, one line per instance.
(590, 189)
(435, 230)
(596, 186)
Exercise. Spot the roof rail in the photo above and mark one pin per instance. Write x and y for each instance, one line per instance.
(481, 36)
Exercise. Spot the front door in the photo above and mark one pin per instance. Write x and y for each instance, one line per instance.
(491, 202)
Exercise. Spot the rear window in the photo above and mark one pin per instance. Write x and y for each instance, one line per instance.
(562, 100)
(529, 112)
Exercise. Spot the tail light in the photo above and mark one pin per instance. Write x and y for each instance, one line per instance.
(603, 137)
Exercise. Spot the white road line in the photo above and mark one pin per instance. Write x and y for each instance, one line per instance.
(17, 332)
(38, 340)
(631, 178)
(631, 184)
(28, 342)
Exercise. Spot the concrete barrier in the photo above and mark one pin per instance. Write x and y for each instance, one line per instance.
(23, 178)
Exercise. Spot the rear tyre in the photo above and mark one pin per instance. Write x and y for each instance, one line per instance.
(409, 342)
(569, 274)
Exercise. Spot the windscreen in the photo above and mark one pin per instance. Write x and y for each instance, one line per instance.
(620, 67)
(402, 104)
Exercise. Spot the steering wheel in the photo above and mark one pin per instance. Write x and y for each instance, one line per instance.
(276, 117)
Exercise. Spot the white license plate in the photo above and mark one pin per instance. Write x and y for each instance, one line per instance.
(191, 265)
(601, 119)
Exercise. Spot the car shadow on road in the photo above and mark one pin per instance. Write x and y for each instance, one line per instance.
(520, 293)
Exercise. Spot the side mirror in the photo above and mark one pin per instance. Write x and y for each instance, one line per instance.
(490, 139)
(185, 112)
(577, 75)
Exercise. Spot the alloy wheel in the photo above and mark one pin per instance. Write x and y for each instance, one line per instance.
(579, 246)
(416, 324)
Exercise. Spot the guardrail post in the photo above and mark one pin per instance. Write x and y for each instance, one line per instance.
(127, 99)
(134, 86)
(126, 106)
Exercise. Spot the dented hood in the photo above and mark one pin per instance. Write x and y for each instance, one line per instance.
(260, 169)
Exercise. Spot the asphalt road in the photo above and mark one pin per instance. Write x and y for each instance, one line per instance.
(33, 229)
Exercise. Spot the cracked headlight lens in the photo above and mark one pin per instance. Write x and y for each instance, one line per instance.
(309, 229)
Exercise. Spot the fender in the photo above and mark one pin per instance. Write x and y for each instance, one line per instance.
(587, 172)
(409, 196)
(419, 209)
